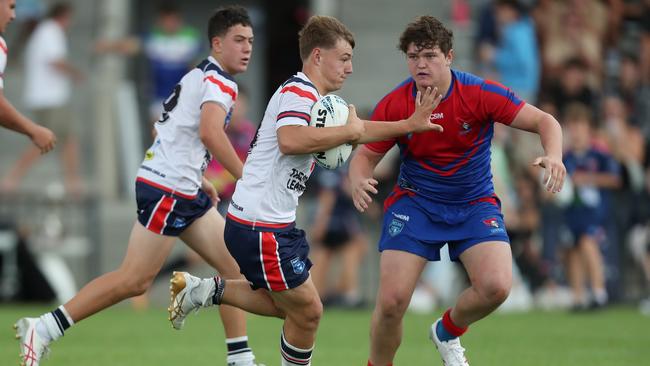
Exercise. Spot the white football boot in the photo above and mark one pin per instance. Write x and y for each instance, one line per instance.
(32, 346)
(451, 352)
(188, 294)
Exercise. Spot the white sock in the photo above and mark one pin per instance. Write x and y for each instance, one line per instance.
(239, 353)
(52, 325)
(294, 356)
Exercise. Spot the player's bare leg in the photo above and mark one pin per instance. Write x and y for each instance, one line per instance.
(489, 267)
(205, 236)
(399, 273)
(303, 310)
(144, 257)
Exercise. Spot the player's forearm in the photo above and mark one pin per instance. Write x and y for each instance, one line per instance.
(361, 166)
(381, 131)
(299, 140)
(550, 134)
(221, 149)
(14, 120)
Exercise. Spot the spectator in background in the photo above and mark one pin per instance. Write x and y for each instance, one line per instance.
(171, 47)
(48, 79)
(573, 87)
(336, 232)
(592, 172)
(514, 56)
(572, 29)
(634, 93)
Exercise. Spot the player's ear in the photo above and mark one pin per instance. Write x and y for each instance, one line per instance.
(316, 55)
(450, 57)
(216, 44)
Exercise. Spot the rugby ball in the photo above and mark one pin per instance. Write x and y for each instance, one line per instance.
(331, 111)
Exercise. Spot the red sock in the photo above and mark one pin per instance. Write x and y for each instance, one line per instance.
(449, 325)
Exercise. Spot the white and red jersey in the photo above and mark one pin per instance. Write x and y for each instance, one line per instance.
(3, 61)
(177, 159)
(272, 182)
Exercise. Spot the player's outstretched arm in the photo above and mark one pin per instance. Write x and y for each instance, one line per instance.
(420, 120)
(297, 140)
(362, 166)
(213, 135)
(532, 119)
(10, 118)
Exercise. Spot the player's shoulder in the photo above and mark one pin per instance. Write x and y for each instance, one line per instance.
(399, 93)
(300, 80)
(209, 67)
(299, 86)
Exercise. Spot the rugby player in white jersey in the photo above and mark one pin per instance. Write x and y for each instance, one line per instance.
(173, 198)
(10, 118)
(260, 232)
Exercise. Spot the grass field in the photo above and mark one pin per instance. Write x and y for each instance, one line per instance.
(121, 336)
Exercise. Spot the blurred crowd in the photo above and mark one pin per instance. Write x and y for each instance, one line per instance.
(587, 62)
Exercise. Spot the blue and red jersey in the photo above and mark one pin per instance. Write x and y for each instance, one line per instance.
(453, 166)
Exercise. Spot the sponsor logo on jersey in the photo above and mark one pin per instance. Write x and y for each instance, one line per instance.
(395, 227)
(297, 180)
(298, 266)
(437, 116)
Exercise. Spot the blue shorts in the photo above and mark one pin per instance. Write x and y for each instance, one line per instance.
(167, 213)
(273, 258)
(584, 222)
(416, 225)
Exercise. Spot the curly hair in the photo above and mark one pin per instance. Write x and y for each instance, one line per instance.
(426, 32)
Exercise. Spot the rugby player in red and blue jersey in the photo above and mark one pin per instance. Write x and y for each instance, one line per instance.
(444, 193)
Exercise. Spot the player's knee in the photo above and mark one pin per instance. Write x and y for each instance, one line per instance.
(393, 305)
(136, 285)
(308, 315)
(496, 290)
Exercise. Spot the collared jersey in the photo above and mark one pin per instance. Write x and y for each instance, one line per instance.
(453, 166)
(177, 159)
(272, 182)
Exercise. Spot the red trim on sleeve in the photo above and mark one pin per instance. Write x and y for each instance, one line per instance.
(224, 88)
(299, 92)
(3, 47)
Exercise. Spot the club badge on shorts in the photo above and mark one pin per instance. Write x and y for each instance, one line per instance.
(395, 227)
(298, 265)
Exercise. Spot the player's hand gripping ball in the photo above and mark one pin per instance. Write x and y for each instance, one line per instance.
(331, 111)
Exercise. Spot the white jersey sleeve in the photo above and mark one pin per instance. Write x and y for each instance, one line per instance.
(219, 88)
(296, 100)
(3, 61)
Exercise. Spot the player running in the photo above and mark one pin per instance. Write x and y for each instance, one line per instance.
(444, 193)
(173, 198)
(260, 230)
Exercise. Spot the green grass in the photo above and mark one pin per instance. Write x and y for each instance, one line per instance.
(121, 336)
